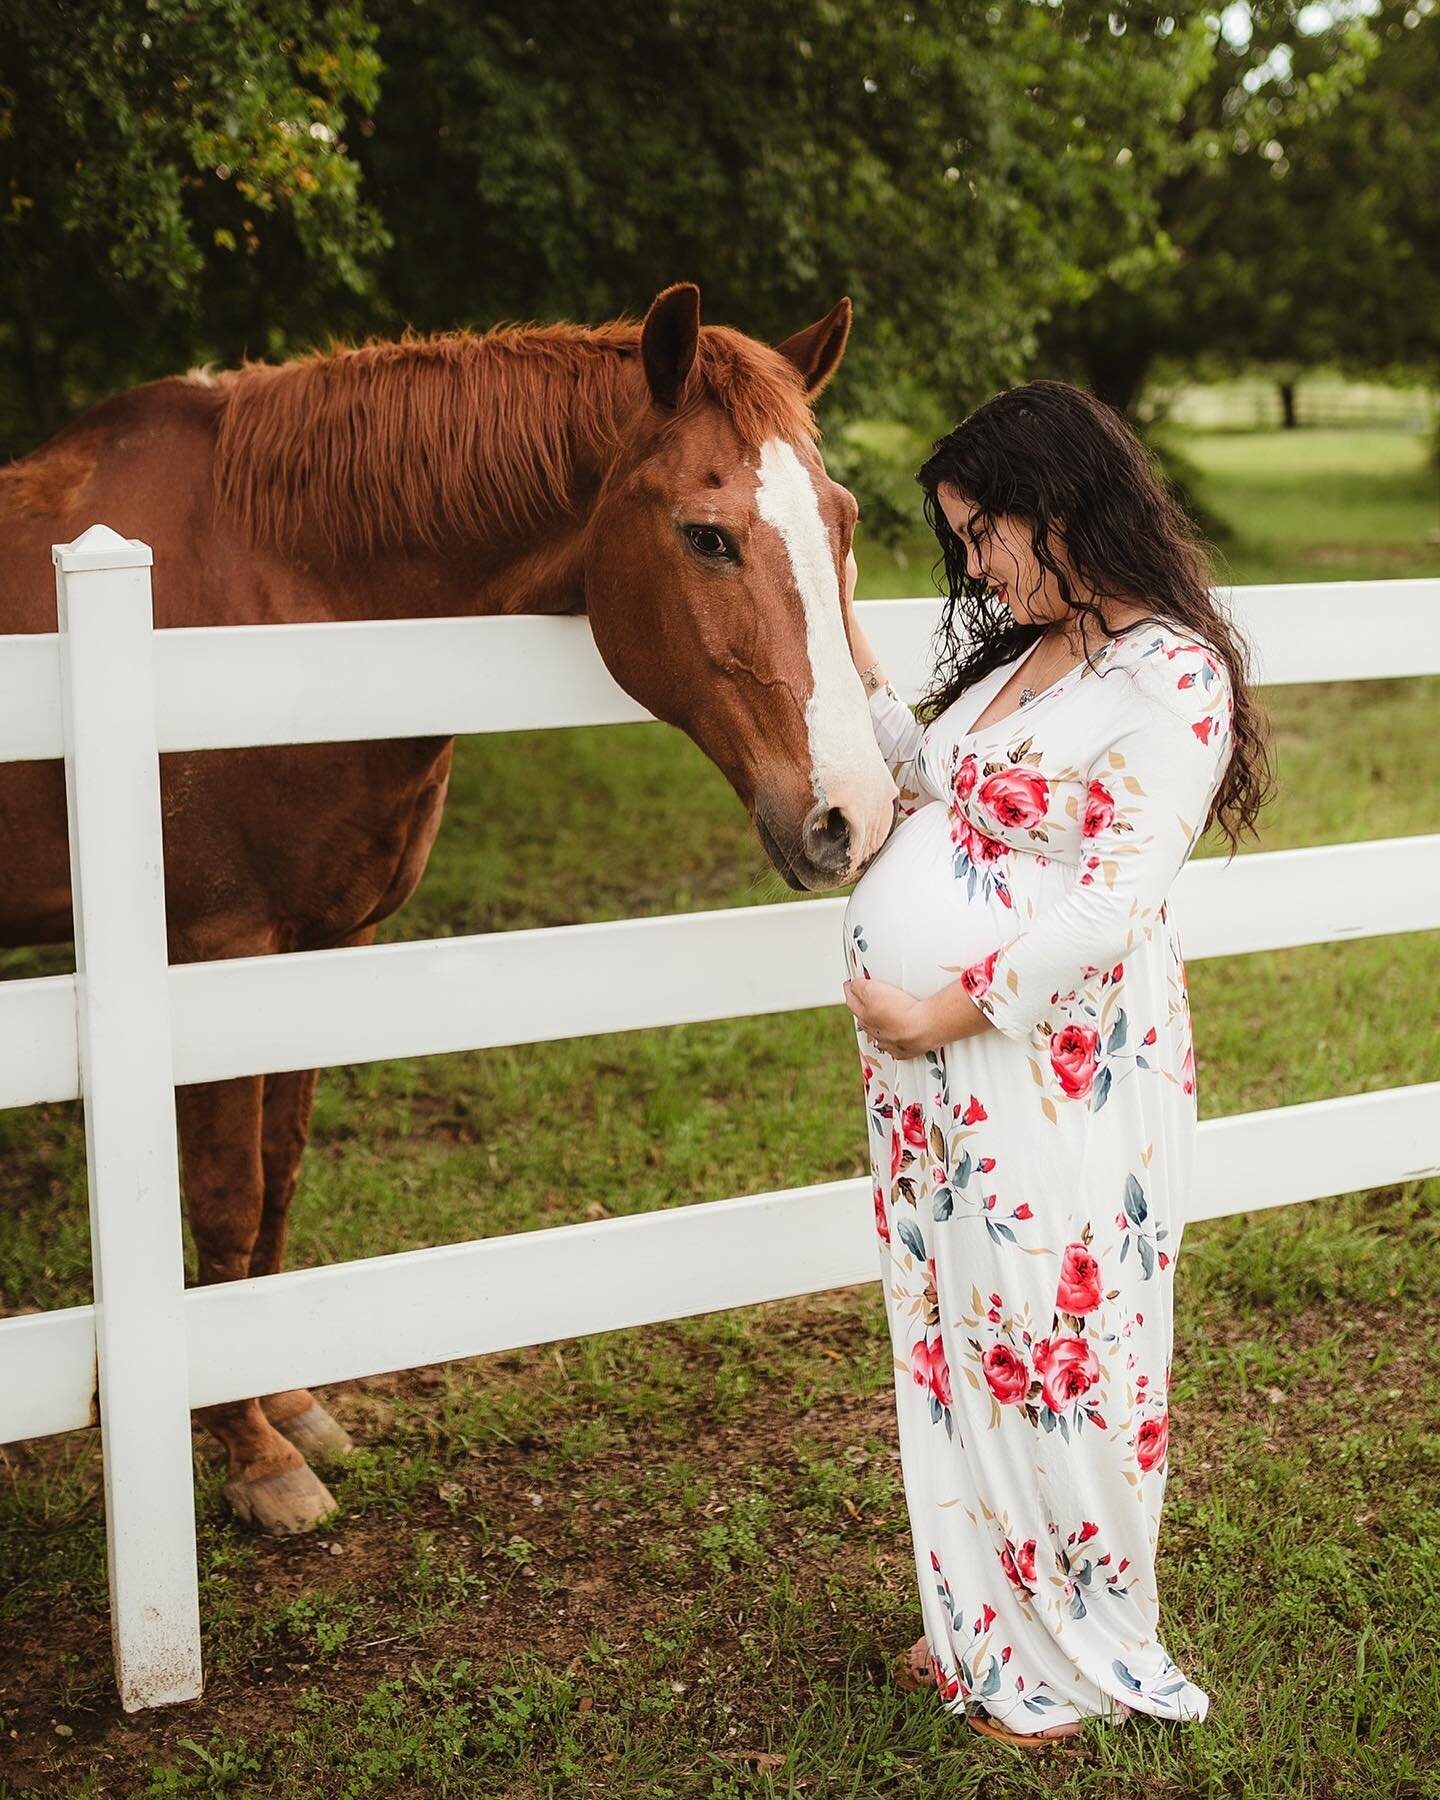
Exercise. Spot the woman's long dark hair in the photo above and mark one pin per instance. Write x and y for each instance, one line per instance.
(1052, 455)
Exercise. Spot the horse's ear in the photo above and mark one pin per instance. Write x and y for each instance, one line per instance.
(668, 339)
(817, 350)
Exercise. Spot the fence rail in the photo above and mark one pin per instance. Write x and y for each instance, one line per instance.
(313, 1326)
(110, 694)
(224, 687)
(252, 1015)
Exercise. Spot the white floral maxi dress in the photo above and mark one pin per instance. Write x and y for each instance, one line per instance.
(1030, 1181)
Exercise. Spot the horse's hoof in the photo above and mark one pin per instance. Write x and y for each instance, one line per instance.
(319, 1437)
(283, 1505)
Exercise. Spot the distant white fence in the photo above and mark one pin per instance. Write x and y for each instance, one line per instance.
(109, 694)
(1322, 401)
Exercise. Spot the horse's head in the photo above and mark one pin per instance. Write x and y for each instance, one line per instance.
(713, 584)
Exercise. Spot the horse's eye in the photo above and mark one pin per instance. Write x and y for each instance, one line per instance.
(710, 541)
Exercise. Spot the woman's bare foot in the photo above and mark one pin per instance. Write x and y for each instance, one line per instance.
(917, 1670)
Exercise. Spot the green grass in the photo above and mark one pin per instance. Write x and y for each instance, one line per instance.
(674, 1561)
(1322, 505)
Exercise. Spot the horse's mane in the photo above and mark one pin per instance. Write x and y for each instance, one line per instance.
(459, 433)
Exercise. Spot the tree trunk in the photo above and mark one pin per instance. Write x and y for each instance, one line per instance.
(1289, 417)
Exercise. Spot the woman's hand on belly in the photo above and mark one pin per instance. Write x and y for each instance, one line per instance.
(902, 1025)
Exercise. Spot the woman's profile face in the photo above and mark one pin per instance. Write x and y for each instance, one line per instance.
(1005, 560)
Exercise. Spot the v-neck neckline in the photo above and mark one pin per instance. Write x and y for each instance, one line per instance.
(1006, 670)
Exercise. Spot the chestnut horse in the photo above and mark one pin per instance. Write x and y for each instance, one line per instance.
(661, 478)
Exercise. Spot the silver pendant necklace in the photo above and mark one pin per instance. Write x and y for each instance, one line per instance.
(1027, 694)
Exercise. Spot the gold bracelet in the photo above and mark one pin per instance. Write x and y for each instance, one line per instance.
(865, 674)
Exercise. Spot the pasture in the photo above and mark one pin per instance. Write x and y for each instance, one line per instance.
(675, 1561)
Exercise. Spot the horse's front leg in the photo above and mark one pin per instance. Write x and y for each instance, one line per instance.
(296, 1413)
(220, 1125)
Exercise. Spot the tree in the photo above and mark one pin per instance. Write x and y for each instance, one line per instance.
(284, 171)
(946, 164)
(174, 184)
(1299, 209)
(1354, 241)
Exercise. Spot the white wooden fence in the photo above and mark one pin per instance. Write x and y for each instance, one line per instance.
(109, 694)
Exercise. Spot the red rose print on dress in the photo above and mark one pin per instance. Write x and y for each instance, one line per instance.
(1006, 1374)
(1068, 1369)
(1080, 1290)
(947, 1682)
(1019, 1565)
(1099, 809)
(881, 1224)
(978, 976)
(1016, 797)
(978, 847)
(931, 1370)
(913, 1124)
(980, 861)
(1152, 1440)
(1074, 1056)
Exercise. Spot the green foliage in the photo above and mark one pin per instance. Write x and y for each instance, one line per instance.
(877, 461)
(944, 166)
(176, 184)
(181, 184)
(1298, 203)
(1029, 185)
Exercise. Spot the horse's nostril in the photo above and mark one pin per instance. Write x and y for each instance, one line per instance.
(827, 837)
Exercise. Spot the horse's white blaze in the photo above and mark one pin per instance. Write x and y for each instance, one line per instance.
(846, 767)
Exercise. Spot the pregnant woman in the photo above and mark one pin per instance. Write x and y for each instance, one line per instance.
(1020, 1004)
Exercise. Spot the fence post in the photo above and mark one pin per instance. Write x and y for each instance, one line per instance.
(112, 785)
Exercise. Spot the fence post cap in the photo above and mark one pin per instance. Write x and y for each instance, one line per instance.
(101, 548)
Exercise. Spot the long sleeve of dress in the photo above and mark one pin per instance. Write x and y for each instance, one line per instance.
(1150, 786)
(901, 738)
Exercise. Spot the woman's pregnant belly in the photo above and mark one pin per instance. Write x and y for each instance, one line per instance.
(912, 921)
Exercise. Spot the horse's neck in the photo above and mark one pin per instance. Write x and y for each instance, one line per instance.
(541, 574)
